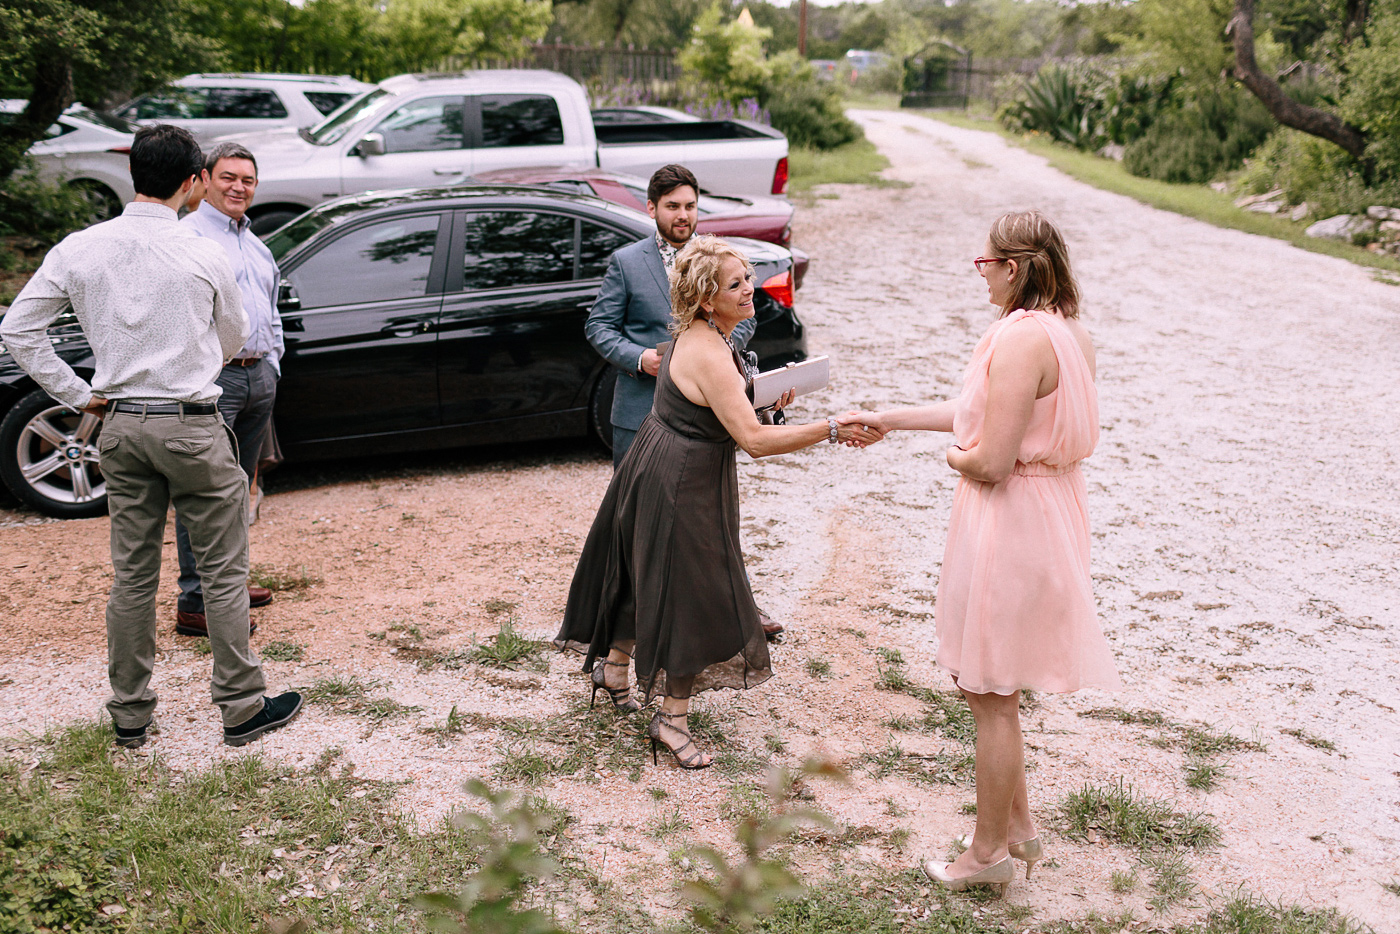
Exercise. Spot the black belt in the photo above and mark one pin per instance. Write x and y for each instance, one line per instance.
(244, 361)
(166, 408)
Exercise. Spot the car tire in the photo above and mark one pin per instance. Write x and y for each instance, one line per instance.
(105, 203)
(49, 458)
(600, 408)
(264, 224)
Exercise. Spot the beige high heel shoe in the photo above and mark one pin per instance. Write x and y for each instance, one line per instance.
(998, 876)
(1029, 851)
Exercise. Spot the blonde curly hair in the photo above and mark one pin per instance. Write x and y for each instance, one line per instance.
(695, 277)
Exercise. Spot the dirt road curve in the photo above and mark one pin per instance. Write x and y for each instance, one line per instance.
(1246, 524)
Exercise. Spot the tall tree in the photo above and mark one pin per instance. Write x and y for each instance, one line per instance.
(56, 51)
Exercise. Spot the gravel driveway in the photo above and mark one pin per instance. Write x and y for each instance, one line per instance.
(1246, 528)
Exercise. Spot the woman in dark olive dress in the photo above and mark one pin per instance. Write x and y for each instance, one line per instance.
(661, 571)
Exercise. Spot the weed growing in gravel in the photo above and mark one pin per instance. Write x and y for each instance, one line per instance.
(1308, 739)
(1393, 886)
(668, 824)
(509, 649)
(944, 768)
(284, 651)
(351, 695)
(947, 713)
(1171, 879)
(200, 647)
(453, 725)
(1201, 743)
(497, 606)
(523, 764)
(818, 668)
(1123, 816)
(1250, 914)
(1123, 882)
(282, 580)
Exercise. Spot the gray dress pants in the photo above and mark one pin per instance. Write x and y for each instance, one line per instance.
(148, 462)
(246, 405)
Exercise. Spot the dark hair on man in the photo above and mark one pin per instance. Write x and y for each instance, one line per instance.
(228, 151)
(162, 157)
(667, 179)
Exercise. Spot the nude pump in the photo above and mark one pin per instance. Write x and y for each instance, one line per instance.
(1029, 851)
(997, 876)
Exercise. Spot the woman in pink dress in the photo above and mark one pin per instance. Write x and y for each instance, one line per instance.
(1015, 606)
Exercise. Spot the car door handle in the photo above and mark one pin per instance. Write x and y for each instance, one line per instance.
(411, 329)
(449, 171)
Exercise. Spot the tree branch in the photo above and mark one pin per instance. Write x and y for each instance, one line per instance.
(1285, 109)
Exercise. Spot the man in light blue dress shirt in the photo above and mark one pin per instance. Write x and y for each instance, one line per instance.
(249, 380)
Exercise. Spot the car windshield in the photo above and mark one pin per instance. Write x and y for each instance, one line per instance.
(708, 204)
(110, 121)
(335, 126)
(285, 239)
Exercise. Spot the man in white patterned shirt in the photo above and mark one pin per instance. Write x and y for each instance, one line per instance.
(161, 310)
(249, 380)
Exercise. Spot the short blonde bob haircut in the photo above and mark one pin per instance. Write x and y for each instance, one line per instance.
(1043, 278)
(695, 277)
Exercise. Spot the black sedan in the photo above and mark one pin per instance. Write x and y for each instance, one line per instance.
(414, 320)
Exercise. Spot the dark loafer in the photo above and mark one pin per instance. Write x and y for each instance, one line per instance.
(258, 596)
(134, 737)
(194, 624)
(770, 627)
(277, 712)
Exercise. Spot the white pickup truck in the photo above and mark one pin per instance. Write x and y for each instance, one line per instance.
(427, 130)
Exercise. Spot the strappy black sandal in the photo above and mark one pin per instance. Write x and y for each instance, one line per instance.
(692, 761)
(620, 697)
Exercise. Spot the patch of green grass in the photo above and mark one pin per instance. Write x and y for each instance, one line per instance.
(284, 651)
(1250, 914)
(1198, 201)
(1171, 879)
(1123, 816)
(497, 606)
(509, 649)
(940, 768)
(452, 726)
(283, 580)
(1119, 715)
(1122, 882)
(856, 163)
(523, 764)
(667, 824)
(818, 668)
(351, 695)
(1393, 886)
(220, 849)
(1308, 739)
(1203, 774)
(886, 904)
(745, 801)
(200, 646)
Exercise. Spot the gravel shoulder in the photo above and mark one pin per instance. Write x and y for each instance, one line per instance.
(1246, 539)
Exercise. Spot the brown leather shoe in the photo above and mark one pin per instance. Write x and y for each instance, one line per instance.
(194, 624)
(770, 628)
(258, 596)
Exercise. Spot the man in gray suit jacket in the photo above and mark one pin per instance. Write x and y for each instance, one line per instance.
(634, 307)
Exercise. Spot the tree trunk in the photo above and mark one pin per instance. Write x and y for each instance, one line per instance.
(53, 92)
(1285, 109)
(1355, 28)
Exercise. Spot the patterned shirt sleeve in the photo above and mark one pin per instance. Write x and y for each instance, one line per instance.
(25, 327)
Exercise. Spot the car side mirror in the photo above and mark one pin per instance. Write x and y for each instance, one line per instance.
(287, 298)
(371, 145)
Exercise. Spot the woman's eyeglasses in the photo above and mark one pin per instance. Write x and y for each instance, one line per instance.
(982, 261)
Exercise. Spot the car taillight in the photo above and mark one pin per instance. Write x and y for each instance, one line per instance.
(780, 176)
(124, 150)
(779, 288)
(785, 237)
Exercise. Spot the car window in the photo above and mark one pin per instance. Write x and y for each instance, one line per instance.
(57, 130)
(331, 129)
(244, 104)
(596, 247)
(377, 263)
(327, 101)
(169, 103)
(573, 188)
(520, 120)
(427, 125)
(111, 121)
(510, 248)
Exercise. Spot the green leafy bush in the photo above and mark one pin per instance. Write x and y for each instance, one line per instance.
(40, 210)
(1206, 137)
(1313, 170)
(807, 110)
(1057, 103)
(1372, 98)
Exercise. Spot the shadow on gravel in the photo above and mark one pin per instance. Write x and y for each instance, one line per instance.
(309, 475)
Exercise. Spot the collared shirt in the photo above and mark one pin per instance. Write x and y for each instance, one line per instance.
(257, 276)
(668, 252)
(158, 304)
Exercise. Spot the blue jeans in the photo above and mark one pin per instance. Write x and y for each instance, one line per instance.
(246, 405)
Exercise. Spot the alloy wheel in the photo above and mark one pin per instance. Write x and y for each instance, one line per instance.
(58, 457)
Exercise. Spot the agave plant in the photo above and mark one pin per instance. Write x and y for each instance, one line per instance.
(1058, 105)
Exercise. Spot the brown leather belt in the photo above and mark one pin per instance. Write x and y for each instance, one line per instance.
(244, 361)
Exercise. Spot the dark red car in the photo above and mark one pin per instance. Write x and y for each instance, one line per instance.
(767, 219)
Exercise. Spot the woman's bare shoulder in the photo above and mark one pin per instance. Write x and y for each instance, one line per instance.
(1085, 341)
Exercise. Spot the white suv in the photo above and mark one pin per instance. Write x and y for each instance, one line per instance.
(215, 105)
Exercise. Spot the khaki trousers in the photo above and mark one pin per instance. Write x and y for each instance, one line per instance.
(148, 462)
